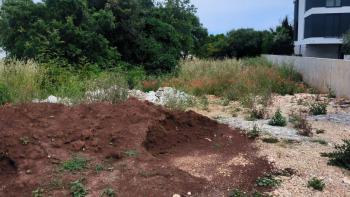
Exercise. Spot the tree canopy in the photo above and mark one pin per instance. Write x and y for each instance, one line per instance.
(104, 33)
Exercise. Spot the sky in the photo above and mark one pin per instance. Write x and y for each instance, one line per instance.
(221, 16)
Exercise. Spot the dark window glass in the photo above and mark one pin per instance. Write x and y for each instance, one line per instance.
(326, 25)
(326, 3)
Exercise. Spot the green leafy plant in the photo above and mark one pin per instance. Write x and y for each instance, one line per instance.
(267, 181)
(278, 119)
(131, 153)
(237, 193)
(76, 163)
(77, 188)
(108, 192)
(316, 184)
(38, 193)
(254, 133)
(341, 156)
(318, 108)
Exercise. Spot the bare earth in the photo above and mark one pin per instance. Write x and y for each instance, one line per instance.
(304, 155)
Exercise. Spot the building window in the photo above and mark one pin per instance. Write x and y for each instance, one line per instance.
(333, 3)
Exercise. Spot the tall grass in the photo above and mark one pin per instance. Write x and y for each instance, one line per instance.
(236, 80)
(22, 82)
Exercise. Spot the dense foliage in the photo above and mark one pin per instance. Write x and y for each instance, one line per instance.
(346, 43)
(249, 42)
(101, 33)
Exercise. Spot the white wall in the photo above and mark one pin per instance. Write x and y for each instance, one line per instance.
(319, 73)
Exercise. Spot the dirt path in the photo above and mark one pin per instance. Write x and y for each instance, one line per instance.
(134, 148)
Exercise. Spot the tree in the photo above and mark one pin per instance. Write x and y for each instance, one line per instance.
(106, 33)
(283, 42)
(346, 43)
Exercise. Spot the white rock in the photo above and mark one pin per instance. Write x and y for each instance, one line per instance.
(189, 193)
(176, 195)
(52, 99)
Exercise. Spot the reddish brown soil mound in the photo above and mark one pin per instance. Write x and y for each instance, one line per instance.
(135, 148)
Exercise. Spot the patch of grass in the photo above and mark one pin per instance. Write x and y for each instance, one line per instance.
(278, 119)
(234, 80)
(99, 168)
(77, 188)
(108, 192)
(316, 184)
(77, 163)
(4, 94)
(267, 181)
(131, 153)
(254, 133)
(318, 108)
(203, 103)
(270, 140)
(341, 156)
(38, 193)
(237, 193)
(320, 141)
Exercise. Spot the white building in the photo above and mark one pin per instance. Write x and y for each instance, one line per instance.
(319, 27)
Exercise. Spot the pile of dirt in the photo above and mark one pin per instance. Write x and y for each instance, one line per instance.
(134, 148)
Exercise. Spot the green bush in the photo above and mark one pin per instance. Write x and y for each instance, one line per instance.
(77, 189)
(318, 108)
(77, 163)
(278, 119)
(4, 94)
(316, 184)
(341, 156)
(267, 181)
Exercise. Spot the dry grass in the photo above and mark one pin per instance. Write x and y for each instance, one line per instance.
(236, 80)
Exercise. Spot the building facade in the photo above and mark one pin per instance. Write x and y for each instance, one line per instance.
(319, 27)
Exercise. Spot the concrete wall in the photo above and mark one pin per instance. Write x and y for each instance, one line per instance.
(319, 73)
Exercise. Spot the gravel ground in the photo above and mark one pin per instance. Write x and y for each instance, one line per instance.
(303, 155)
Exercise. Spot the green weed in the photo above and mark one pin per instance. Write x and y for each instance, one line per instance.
(341, 156)
(278, 119)
(318, 108)
(77, 163)
(254, 133)
(38, 193)
(108, 192)
(267, 181)
(77, 189)
(316, 184)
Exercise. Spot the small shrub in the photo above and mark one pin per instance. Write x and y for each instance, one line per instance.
(24, 140)
(4, 94)
(267, 181)
(254, 133)
(77, 189)
(256, 114)
(331, 93)
(131, 153)
(278, 119)
(77, 163)
(99, 168)
(318, 108)
(109, 192)
(38, 193)
(320, 141)
(270, 140)
(341, 156)
(316, 184)
(303, 126)
(237, 193)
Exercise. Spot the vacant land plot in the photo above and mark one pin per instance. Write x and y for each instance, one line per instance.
(133, 148)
